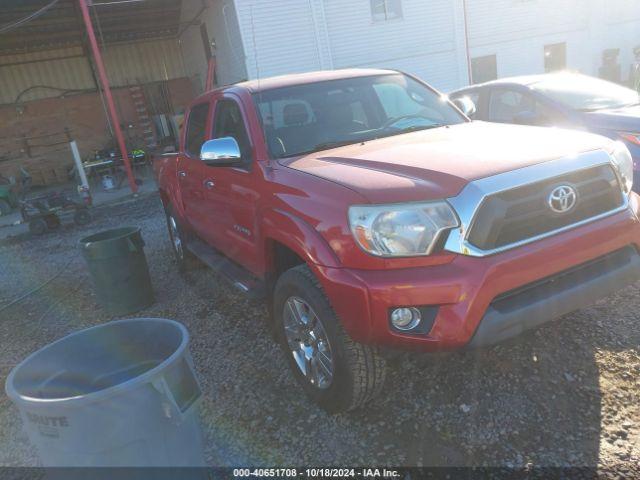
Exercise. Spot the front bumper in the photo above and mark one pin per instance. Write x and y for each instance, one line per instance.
(484, 300)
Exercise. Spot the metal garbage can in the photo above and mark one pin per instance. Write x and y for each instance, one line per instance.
(119, 269)
(119, 394)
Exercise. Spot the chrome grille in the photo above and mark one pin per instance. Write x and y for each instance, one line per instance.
(515, 215)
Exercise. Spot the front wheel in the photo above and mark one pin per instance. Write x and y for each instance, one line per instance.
(335, 372)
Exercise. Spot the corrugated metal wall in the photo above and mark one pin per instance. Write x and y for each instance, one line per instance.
(64, 68)
(143, 62)
(69, 69)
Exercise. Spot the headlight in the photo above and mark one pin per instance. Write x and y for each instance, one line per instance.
(623, 162)
(401, 230)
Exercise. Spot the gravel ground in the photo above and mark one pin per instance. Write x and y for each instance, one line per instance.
(565, 395)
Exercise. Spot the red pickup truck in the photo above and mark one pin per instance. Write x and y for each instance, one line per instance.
(373, 215)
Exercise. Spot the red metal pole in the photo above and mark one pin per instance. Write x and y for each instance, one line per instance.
(211, 73)
(107, 94)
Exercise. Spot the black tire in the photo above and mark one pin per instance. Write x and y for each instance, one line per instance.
(38, 226)
(5, 208)
(183, 257)
(358, 370)
(82, 217)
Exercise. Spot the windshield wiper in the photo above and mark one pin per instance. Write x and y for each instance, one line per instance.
(329, 145)
(325, 146)
(342, 143)
(413, 128)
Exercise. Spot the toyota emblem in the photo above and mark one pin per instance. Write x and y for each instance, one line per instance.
(562, 199)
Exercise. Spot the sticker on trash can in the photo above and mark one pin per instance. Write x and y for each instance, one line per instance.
(48, 426)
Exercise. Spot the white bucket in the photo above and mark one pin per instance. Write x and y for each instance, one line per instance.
(108, 182)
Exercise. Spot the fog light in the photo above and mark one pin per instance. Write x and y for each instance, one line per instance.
(406, 318)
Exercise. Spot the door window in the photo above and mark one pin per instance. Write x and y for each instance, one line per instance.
(510, 106)
(196, 128)
(506, 105)
(228, 122)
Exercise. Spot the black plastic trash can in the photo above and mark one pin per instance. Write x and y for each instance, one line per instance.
(119, 269)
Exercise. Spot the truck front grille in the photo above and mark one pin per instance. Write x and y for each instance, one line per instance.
(519, 214)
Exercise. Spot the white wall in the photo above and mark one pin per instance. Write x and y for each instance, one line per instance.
(289, 36)
(423, 42)
(516, 31)
(222, 25)
(621, 28)
(280, 36)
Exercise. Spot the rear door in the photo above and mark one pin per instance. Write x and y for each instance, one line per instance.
(191, 170)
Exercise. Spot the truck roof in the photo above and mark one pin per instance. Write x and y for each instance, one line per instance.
(524, 80)
(263, 84)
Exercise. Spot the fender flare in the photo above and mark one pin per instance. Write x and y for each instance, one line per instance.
(296, 234)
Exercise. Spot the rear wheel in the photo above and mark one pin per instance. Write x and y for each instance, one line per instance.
(335, 372)
(178, 238)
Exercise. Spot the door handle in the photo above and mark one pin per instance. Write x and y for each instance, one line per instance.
(209, 184)
(182, 174)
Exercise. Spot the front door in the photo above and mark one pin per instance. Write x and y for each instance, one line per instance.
(233, 195)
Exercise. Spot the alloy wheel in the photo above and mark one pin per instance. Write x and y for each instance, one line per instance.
(175, 238)
(308, 342)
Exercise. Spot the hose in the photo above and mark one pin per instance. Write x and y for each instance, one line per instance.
(33, 16)
(38, 288)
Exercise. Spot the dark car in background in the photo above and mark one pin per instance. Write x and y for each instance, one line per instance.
(566, 100)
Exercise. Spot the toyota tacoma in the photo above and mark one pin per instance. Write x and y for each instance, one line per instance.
(374, 216)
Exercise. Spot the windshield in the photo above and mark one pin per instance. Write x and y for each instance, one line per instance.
(580, 92)
(317, 116)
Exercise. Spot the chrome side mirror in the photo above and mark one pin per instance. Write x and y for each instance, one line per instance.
(221, 152)
(466, 105)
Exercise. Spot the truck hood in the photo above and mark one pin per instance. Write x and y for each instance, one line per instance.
(438, 163)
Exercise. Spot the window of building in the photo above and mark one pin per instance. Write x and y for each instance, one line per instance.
(383, 10)
(555, 57)
(228, 122)
(484, 69)
(196, 126)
